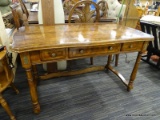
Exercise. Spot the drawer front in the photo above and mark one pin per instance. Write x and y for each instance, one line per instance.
(137, 46)
(52, 54)
(87, 51)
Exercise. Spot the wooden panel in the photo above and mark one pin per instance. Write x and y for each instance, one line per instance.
(88, 51)
(52, 54)
(132, 46)
(48, 12)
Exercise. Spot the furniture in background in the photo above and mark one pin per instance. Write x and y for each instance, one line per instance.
(131, 16)
(84, 14)
(6, 78)
(67, 5)
(116, 10)
(30, 8)
(103, 8)
(6, 13)
(24, 8)
(19, 17)
(151, 25)
(75, 41)
(4, 6)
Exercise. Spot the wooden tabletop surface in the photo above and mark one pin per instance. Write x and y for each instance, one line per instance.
(37, 37)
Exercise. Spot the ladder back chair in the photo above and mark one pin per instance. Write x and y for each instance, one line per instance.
(6, 78)
(24, 8)
(18, 16)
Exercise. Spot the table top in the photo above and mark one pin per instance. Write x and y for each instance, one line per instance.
(39, 37)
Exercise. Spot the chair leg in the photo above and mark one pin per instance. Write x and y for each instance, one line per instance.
(14, 88)
(91, 60)
(116, 60)
(6, 107)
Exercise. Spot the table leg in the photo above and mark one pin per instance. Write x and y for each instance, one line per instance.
(134, 72)
(33, 91)
(6, 107)
(26, 63)
(35, 74)
(108, 61)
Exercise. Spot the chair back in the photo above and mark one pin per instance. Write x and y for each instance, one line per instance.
(67, 5)
(24, 8)
(103, 7)
(82, 12)
(18, 16)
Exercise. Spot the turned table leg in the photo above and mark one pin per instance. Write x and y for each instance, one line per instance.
(26, 63)
(33, 91)
(108, 61)
(134, 72)
(35, 74)
(6, 107)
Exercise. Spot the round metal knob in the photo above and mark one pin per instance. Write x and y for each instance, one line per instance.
(131, 46)
(81, 51)
(53, 54)
(110, 48)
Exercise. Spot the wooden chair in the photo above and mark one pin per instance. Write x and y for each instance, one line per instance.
(84, 14)
(24, 8)
(67, 5)
(18, 16)
(103, 7)
(6, 78)
(81, 12)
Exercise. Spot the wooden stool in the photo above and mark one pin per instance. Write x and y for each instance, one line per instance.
(6, 78)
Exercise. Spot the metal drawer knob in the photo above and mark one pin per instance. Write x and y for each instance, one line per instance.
(131, 46)
(81, 51)
(53, 54)
(110, 48)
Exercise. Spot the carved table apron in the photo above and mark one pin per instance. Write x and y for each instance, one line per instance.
(38, 44)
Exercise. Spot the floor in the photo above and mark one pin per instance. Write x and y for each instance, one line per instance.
(91, 96)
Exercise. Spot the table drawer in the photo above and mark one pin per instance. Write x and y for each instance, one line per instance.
(52, 54)
(132, 46)
(93, 50)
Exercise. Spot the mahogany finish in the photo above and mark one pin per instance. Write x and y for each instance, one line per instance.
(38, 44)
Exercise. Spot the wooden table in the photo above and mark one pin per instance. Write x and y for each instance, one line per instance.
(38, 44)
